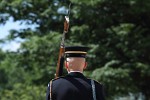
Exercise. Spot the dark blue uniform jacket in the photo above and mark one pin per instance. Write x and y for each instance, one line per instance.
(74, 86)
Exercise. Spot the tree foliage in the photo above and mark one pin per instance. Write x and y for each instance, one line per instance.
(116, 31)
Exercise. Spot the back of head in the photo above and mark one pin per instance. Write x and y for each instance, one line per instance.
(75, 57)
(75, 62)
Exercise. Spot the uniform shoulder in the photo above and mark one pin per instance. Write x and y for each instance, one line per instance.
(54, 80)
(95, 81)
(98, 82)
(58, 78)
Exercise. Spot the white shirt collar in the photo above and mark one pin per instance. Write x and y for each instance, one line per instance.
(75, 71)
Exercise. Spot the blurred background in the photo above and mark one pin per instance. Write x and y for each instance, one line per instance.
(117, 31)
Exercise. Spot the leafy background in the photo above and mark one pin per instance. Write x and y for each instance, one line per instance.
(118, 32)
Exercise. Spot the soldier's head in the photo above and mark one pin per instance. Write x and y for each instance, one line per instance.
(75, 58)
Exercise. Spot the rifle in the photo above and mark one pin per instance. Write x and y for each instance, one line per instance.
(60, 63)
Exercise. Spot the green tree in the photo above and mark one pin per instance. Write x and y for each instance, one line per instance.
(116, 31)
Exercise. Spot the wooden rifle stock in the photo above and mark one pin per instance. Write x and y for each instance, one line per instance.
(59, 69)
(60, 63)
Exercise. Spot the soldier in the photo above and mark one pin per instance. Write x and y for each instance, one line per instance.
(75, 86)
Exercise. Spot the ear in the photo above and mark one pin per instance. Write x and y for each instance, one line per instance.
(85, 65)
(66, 64)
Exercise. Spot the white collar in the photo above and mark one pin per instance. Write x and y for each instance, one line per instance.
(75, 71)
